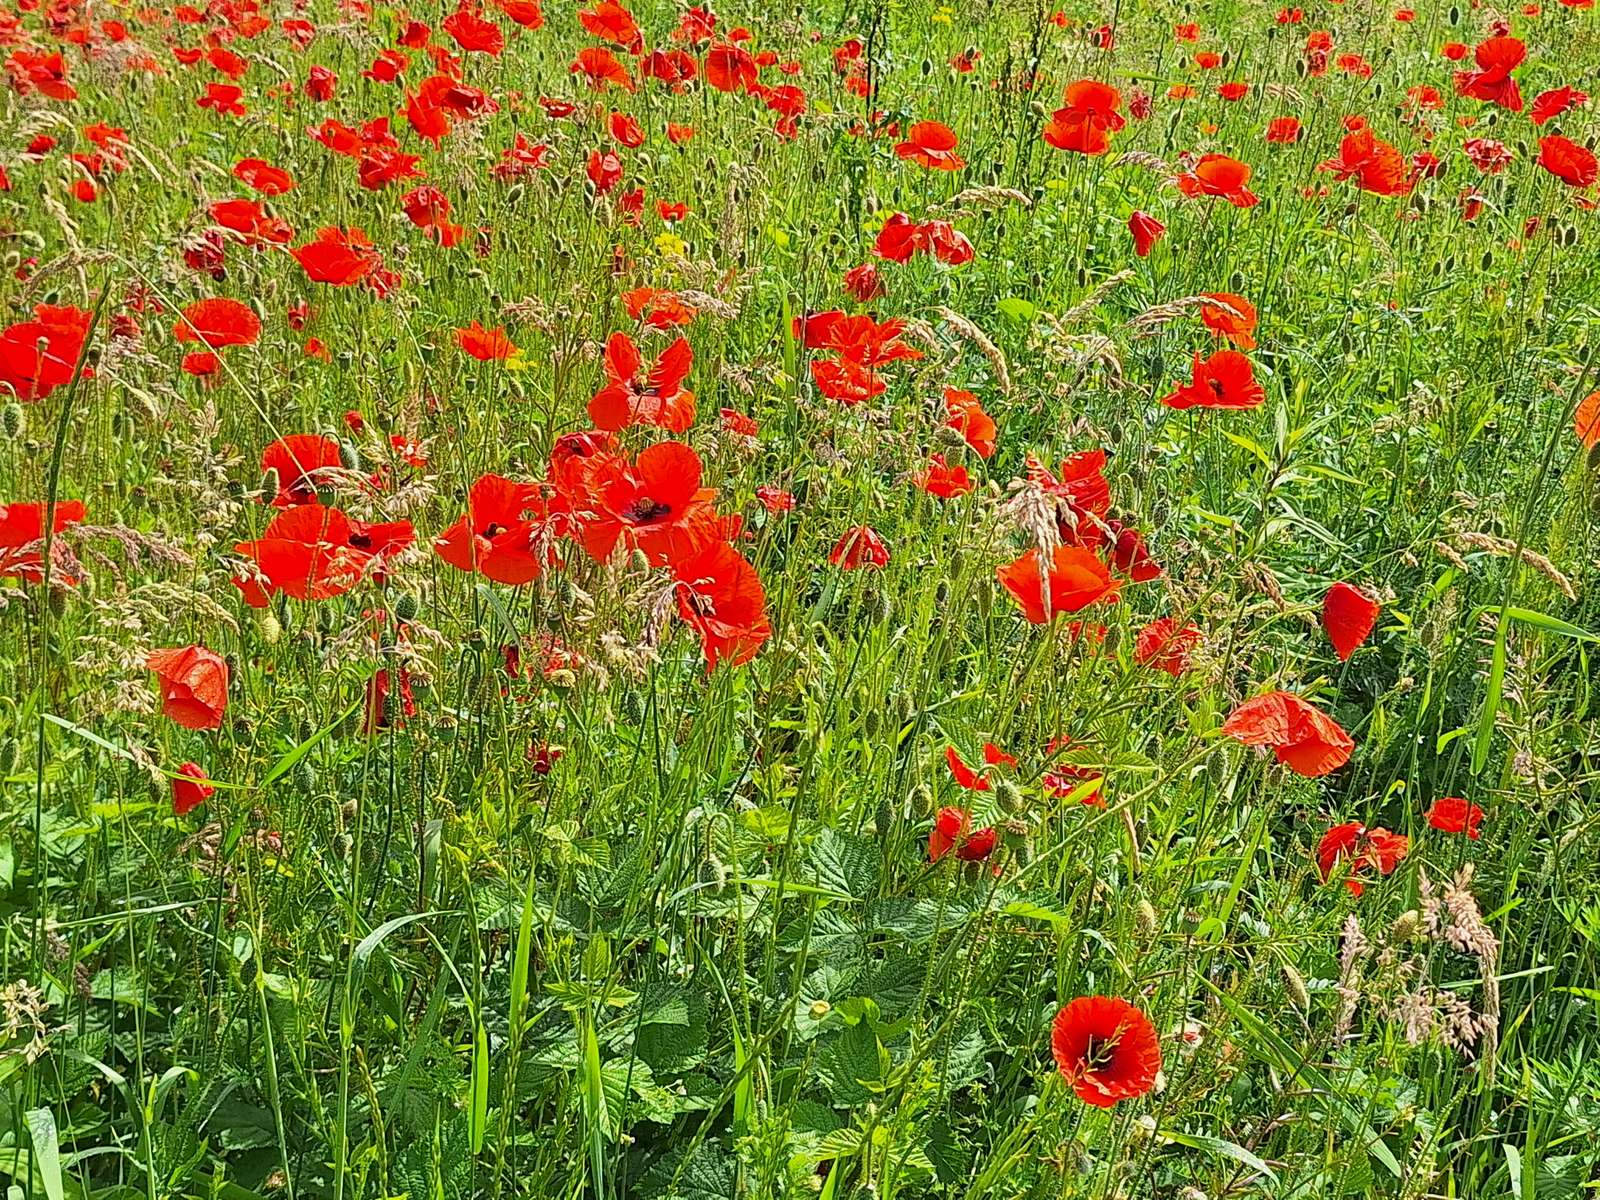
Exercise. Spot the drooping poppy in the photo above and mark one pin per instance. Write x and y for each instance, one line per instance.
(190, 789)
(1348, 615)
(1302, 736)
(720, 596)
(1076, 579)
(940, 479)
(1106, 1049)
(194, 685)
(967, 417)
(1146, 230)
(1452, 814)
(859, 547)
(1225, 380)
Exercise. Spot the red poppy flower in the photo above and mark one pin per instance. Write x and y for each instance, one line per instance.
(1547, 106)
(720, 595)
(1232, 317)
(310, 552)
(1568, 161)
(338, 256)
(1283, 131)
(1225, 380)
(952, 830)
(190, 789)
(261, 175)
(658, 307)
(1076, 579)
(1496, 58)
(22, 539)
(473, 33)
(1146, 230)
(218, 322)
(251, 222)
(194, 685)
(485, 345)
(864, 283)
(940, 479)
(859, 547)
(1130, 556)
(497, 538)
(901, 238)
(1165, 645)
(656, 505)
(611, 22)
(729, 68)
(1376, 848)
(932, 145)
(1452, 814)
(1303, 737)
(297, 459)
(1348, 615)
(1106, 1049)
(40, 355)
(660, 400)
(320, 84)
(1087, 120)
(1219, 175)
(1586, 420)
(966, 417)
(223, 98)
(1373, 163)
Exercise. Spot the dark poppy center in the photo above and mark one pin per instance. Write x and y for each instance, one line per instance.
(493, 529)
(361, 541)
(1099, 1052)
(645, 509)
(1216, 387)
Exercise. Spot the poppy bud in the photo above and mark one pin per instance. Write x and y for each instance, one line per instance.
(343, 844)
(350, 456)
(883, 821)
(879, 606)
(30, 239)
(515, 193)
(8, 757)
(268, 627)
(1010, 796)
(984, 595)
(1038, 109)
(11, 419)
(248, 970)
(1488, 259)
(405, 607)
(921, 802)
(1405, 927)
(1144, 918)
(269, 482)
(1295, 985)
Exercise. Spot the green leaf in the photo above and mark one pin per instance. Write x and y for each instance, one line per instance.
(846, 864)
(46, 1150)
(1221, 1147)
(287, 762)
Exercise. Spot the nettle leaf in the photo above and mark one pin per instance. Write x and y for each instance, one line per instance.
(708, 1172)
(673, 1036)
(846, 864)
(964, 1061)
(951, 1160)
(850, 1062)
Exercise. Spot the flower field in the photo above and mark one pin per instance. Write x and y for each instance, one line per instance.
(840, 599)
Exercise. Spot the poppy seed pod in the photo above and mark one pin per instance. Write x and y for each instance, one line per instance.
(405, 606)
(1009, 796)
